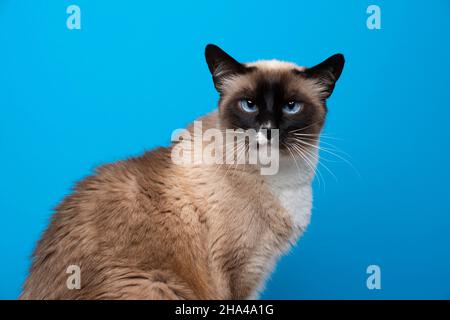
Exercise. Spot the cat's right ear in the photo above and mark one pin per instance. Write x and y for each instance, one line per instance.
(327, 73)
(221, 65)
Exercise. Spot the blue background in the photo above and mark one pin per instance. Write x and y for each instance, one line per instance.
(73, 99)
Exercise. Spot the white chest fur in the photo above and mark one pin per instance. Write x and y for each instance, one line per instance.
(292, 186)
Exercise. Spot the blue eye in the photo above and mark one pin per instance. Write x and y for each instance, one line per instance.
(292, 107)
(248, 106)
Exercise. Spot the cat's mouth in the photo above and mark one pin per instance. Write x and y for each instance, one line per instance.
(263, 139)
(267, 137)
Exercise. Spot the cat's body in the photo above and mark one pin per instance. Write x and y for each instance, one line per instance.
(146, 228)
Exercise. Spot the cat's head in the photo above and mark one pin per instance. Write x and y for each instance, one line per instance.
(272, 94)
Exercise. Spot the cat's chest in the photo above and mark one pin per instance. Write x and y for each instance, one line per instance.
(294, 194)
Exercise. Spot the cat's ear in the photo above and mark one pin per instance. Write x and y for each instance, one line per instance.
(221, 65)
(327, 73)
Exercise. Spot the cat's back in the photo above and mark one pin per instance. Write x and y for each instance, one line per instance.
(107, 217)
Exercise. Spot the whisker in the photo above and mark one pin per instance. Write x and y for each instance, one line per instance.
(313, 167)
(331, 146)
(332, 153)
(320, 135)
(230, 165)
(301, 129)
(293, 158)
(318, 161)
(225, 156)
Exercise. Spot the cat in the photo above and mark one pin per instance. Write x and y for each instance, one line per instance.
(146, 228)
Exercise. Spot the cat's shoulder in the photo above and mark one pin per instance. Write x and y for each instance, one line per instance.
(125, 180)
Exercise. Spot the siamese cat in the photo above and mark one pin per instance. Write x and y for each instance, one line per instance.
(147, 228)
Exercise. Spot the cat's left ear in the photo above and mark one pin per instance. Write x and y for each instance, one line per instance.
(327, 73)
(221, 65)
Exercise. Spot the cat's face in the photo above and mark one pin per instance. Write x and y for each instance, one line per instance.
(273, 95)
